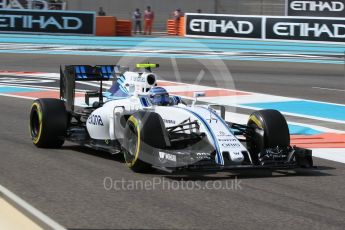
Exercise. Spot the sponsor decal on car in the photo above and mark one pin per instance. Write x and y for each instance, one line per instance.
(202, 156)
(139, 79)
(167, 156)
(227, 140)
(95, 120)
(223, 134)
(167, 121)
(231, 145)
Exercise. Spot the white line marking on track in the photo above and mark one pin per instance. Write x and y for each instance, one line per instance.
(243, 119)
(322, 88)
(38, 87)
(16, 96)
(299, 115)
(333, 154)
(37, 216)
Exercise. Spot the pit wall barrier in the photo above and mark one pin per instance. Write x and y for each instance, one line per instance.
(123, 28)
(111, 26)
(105, 26)
(171, 27)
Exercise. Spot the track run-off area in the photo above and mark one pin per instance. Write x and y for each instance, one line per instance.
(305, 81)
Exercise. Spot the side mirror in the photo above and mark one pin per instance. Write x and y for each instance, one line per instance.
(196, 95)
(220, 108)
(199, 94)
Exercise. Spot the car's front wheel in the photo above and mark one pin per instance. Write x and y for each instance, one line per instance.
(144, 132)
(270, 130)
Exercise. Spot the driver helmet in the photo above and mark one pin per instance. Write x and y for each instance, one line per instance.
(159, 96)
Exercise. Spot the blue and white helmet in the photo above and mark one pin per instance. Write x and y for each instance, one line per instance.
(159, 96)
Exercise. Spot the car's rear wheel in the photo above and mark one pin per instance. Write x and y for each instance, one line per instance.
(48, 123)
(271, 130)
(144, 132)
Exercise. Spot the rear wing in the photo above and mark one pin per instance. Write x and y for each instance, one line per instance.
(71, 74)
(92, 73)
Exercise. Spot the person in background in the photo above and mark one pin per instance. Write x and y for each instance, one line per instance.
(199, 11)
(137, 21)
(55, 4)
(59, 5)
(177, 16)
(101, 12)
(149, 16)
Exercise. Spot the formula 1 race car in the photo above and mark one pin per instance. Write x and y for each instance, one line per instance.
(153, 129)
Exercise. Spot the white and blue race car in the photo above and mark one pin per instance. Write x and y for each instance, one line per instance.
(155, 130)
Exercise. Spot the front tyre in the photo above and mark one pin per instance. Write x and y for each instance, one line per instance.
(48, 123)
(144, 132)
(270, 130)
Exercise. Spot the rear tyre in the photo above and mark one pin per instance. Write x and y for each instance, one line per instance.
(48, 123)
(144, 132)
(271, 130)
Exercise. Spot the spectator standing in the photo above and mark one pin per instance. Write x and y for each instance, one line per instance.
(59, 4)
(55, 4)
(177, 16)
(199, 11)
(101, 12)
(137, 21)
(149, 16)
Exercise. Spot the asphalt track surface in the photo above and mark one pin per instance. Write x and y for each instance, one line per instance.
(68, 184)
